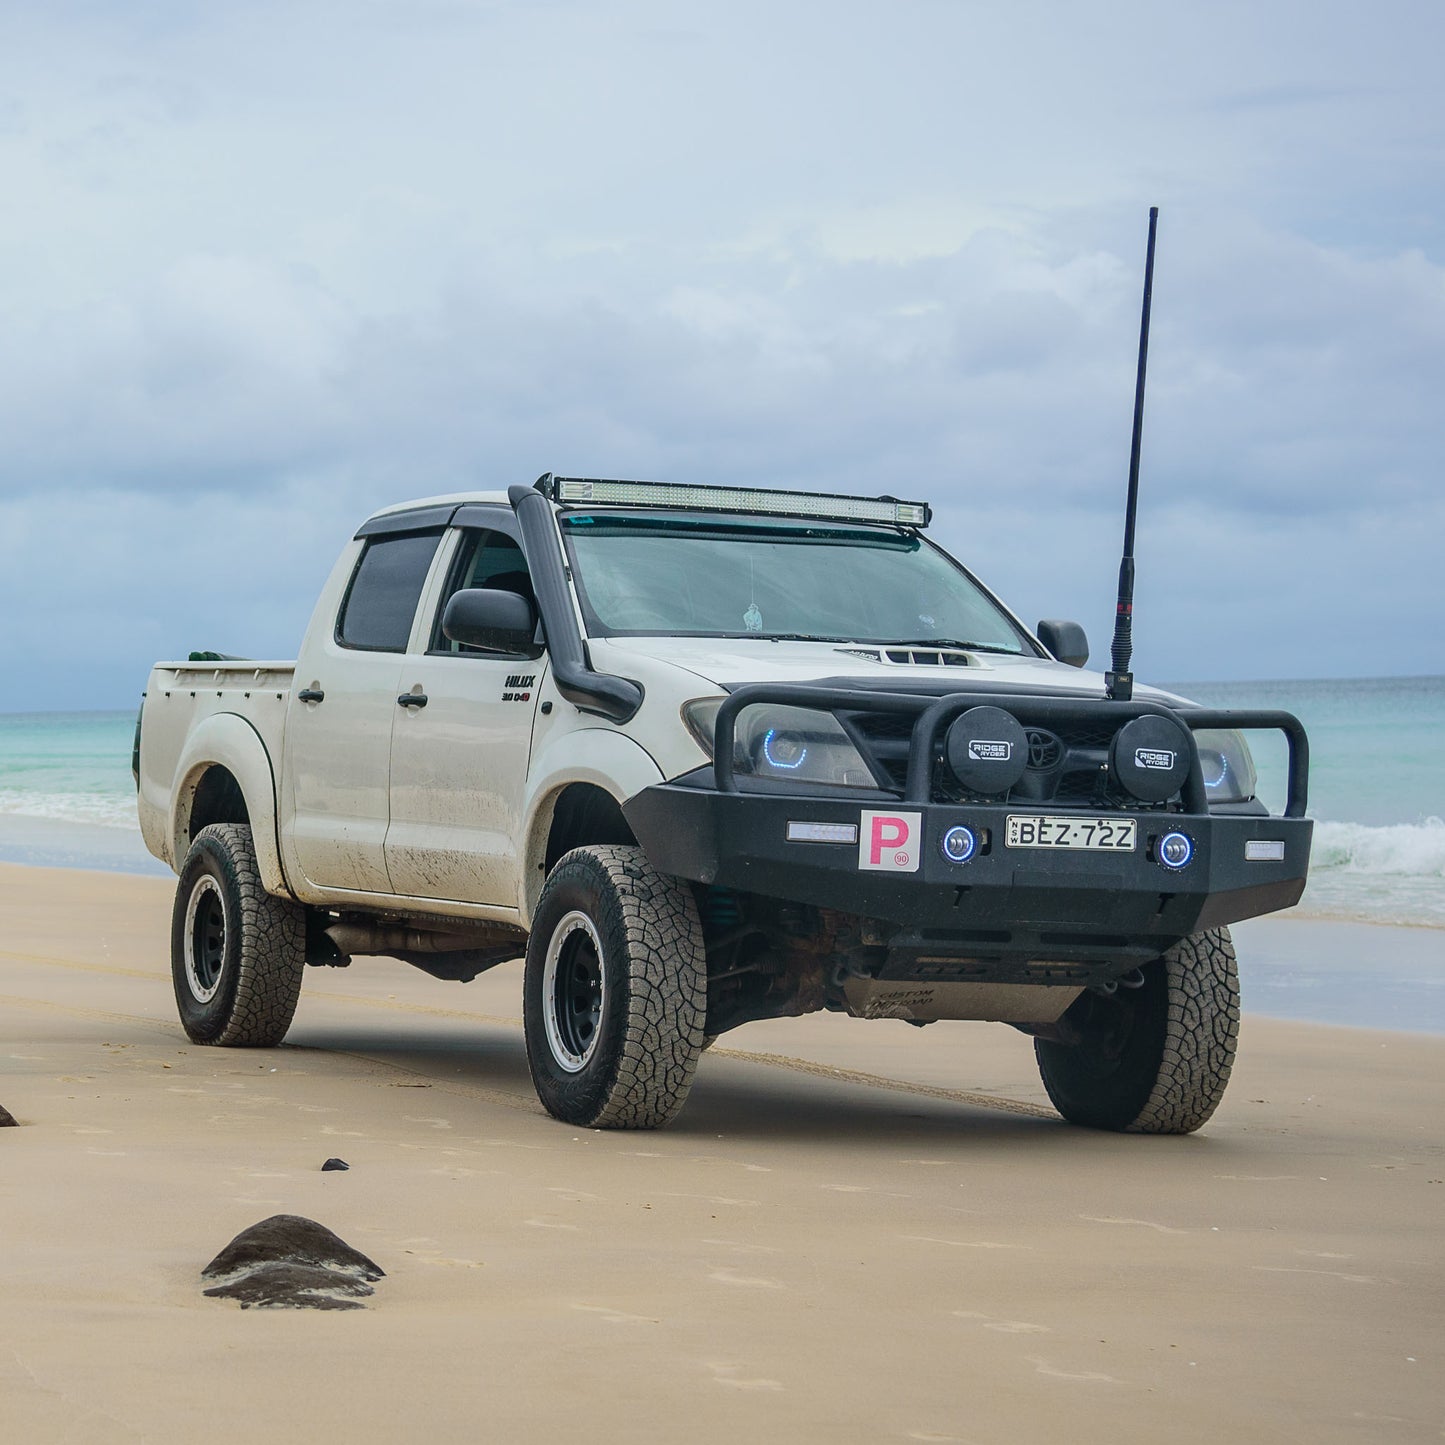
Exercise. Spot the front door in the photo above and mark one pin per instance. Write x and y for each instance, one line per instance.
(459, 762)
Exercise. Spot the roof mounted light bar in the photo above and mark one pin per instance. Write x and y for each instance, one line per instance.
(762, 501)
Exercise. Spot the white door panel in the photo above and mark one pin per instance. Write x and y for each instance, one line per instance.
(338, 751)
(458, 771)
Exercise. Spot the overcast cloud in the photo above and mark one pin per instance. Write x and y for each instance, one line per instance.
(264, 268)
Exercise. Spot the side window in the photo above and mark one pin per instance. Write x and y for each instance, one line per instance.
(485, 559)
(381, 601)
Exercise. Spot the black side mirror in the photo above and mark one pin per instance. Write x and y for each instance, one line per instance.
(491, 618)
(1065, 640)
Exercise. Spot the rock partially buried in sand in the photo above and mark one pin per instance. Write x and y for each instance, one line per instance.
(293, 1287)
(290, 1262)
(7, 1119)
(332, 1165)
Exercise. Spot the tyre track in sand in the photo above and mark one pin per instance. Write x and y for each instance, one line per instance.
(824, 1072)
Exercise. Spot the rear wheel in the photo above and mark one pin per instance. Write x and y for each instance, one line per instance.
(1154, 1058)
(615, 997)
(237, 953)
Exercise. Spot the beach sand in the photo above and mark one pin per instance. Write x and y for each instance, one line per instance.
(856, 1232)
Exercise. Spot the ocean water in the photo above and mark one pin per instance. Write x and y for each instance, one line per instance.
(1377, 790)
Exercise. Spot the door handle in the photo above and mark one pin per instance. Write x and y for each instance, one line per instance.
(412, 699)
(311, 694)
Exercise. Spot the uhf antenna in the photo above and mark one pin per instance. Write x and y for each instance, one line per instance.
(1120, 680)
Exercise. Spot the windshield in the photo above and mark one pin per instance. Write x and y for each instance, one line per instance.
(714, 577)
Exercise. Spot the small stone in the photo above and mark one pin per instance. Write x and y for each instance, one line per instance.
(7, 1119)
(332, 1165)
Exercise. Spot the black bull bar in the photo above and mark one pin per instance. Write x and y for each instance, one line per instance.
(932, 714)
(1099, 912)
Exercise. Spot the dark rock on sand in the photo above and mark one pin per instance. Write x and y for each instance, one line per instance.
(7, 1119)
(334, 1164)
(293, 1286)
(291, 1239)
(290, 1262)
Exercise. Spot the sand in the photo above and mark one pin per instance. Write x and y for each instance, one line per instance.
(857, 1231)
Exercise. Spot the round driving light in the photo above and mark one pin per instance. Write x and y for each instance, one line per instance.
(1149, 758)
(987, 750)
(959, 844)
(1176, 850)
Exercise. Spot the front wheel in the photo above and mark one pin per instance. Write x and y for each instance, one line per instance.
(237, 952)
(1154, 1058)
(615, 997)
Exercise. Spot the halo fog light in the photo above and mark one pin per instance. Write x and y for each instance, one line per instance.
(959, 844)
(1176, 850)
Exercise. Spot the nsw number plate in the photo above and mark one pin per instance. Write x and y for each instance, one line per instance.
(1106, 835)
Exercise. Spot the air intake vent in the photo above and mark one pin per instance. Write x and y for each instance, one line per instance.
(911, 656)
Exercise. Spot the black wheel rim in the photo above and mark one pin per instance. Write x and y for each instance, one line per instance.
(579, 993)
(574, 988)
(205, 939)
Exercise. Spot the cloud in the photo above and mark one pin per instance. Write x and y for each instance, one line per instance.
(265, 271)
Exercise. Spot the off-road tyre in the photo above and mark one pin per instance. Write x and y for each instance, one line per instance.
(1153, 1059)
(237, 953)
(615, 994)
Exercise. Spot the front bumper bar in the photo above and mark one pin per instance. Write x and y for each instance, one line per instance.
(1010, 905)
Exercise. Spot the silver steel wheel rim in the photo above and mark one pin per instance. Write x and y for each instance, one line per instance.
(569, 1052)
(201, 991)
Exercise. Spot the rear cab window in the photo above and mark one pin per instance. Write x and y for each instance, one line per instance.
(381, 600)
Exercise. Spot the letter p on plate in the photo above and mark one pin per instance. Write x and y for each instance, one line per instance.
(890, 842)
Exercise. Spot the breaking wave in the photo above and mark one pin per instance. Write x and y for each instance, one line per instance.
(103, 810)
(1389, 874)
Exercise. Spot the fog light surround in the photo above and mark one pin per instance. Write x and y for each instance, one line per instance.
(958, 844)
(1175, 851)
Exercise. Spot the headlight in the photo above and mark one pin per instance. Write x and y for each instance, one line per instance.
(1229, 775)
(796, 743)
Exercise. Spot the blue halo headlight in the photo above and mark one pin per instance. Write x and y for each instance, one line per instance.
(1228, 769)
(782, 742)
(784, 750)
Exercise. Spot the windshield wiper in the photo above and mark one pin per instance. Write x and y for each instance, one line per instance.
(788, 637)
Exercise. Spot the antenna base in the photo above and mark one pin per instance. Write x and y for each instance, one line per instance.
(1120, 685)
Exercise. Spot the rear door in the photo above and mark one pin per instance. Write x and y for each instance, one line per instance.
(338, 736)
(459, 762)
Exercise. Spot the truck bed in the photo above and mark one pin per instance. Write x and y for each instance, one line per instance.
(179, 698)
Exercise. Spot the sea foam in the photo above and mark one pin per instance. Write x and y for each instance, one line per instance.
(1389, 874)
(103, 810)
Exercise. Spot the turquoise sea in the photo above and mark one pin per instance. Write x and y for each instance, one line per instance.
(1377, 790)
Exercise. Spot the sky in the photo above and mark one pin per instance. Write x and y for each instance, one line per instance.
(265, 268)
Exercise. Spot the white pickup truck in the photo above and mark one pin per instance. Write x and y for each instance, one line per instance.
(708, 755)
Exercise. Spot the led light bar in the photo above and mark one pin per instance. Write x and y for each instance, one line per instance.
(758, 500)
(803, 832)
